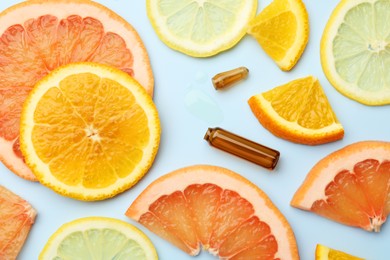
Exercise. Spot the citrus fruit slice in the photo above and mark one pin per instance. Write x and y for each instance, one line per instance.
(350, 186)
(217, 208)
(355, 50)
(16, 218)
(89, 131)
(38, 36)
(200, 28)
(98, 238)
(326, 253)
(298, 111)
(282, 30)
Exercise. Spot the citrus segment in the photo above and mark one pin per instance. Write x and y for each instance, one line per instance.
(16, 218)
(218, 209)
(355, 50)
(200, 28)
(326, 253)
(89, 131)
(350, 186)
(38, 36)
(298, 111)
(282, 30)
(98, 238)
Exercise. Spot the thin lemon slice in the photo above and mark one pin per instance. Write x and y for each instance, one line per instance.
(200, 28)
(89, 131)
(355, 50)
(282, 30)
(298, 111)
(326, 253)
(98, 238)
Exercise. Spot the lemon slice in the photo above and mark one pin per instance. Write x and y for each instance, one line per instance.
(89, 131)
(326, 253)
(282, 30)
(298, 111)
(200, 28)
(355, 50)
(98, 238)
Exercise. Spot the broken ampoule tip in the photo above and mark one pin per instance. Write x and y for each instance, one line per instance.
(228, 78)
(242, 147)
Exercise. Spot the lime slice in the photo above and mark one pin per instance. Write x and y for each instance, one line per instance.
(200, 28)
(98, 238)
(355, 50)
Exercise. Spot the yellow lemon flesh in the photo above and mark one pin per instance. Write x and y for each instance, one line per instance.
(98, 238)
(355, 50)
(200, 28)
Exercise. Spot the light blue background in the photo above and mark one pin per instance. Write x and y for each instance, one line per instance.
(182, 142)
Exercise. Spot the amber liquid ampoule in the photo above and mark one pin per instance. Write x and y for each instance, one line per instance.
(228, 78)
(242, 147)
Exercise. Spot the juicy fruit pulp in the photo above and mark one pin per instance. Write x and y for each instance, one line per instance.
(89, 131)
(326, 253)
(359, 197)
(52, 34)
(98, 238)
(282, 30)
(352, 186)
(16, 218)
(200, 28)
(207, 205)
(355, 50)
(298, 111)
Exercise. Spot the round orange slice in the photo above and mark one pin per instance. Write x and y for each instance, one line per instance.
(16, 218)
(89, 131)
(217, 208)
(350, 186)
(40, 35)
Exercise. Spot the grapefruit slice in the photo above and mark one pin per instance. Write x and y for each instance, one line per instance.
(350, 186)
(217, 208)
(16, 219)
(40, 35)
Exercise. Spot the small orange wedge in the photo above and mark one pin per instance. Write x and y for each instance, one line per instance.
(298, 111)
(218, 209)
(350, 186)
(326, 253)
(16, 219)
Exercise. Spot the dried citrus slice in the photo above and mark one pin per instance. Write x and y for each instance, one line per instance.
(217, 208)
(298, 111)
(326, 253)
(16, 218)
(89, 131)
(355, 50)
(350, 186)
(37, 36)
(98, 238)
(282, 30)
(200, 28)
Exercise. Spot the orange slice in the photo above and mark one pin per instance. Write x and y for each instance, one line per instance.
(282, 30)
(298, 111)
(38, 36)
(217, 208)
(16, 218)
(326, 253)
(350, 186)
(89, 131)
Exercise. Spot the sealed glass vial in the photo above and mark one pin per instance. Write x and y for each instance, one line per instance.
(242, 147)
(228, 78)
